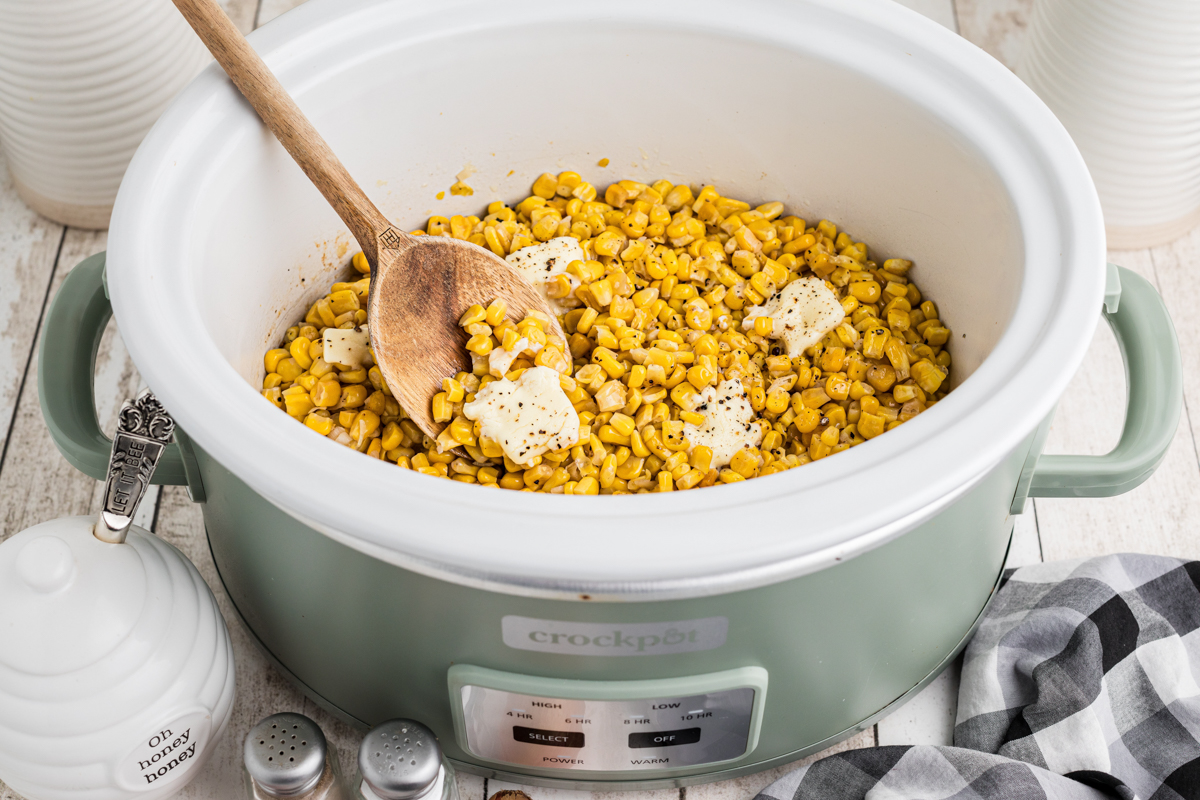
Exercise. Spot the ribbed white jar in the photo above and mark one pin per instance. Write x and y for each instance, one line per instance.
(1123, 76)
(81, 82)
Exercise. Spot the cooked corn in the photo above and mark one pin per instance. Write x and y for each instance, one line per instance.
(653, 319)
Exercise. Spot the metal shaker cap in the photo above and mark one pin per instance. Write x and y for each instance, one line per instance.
(285, 754)
(400, 760)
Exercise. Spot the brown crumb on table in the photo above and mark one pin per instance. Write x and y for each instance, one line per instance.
(510, 794)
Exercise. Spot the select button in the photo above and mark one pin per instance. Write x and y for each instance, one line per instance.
(664, 738)
(551, 738)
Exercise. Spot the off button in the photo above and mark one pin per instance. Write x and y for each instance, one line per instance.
(664, 738)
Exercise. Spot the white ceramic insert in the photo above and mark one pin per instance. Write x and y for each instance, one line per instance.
(857, 110)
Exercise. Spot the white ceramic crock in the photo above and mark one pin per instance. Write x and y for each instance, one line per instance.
(857, 110)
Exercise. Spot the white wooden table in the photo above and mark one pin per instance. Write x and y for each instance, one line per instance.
(36, 484)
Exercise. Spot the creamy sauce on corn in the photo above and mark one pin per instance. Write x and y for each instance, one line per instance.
(346, 347)
(527, 417)
(728, 425)
(804, 311)
(539, 263)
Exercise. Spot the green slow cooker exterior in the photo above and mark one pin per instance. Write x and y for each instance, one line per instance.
(371, 641)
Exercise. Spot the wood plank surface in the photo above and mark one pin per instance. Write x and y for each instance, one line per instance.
(29, 245)
(36, 483)
(940, 11)
(242, 12)
(270, 9)
(1177, 266)
(997, 26)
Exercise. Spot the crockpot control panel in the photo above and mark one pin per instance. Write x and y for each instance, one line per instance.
(607, 726)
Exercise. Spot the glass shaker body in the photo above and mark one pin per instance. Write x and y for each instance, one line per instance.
(286, 756)
(401, 760)
(446, 787)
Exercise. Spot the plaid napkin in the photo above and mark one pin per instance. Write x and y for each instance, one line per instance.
(1080, 684)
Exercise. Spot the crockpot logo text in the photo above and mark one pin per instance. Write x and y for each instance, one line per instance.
(614, 639)
(670, 638)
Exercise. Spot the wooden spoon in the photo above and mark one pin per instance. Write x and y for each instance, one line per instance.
(420, 285)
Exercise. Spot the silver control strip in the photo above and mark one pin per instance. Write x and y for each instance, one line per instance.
(608, 735)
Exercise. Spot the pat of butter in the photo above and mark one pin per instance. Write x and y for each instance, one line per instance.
(528, 417)
(539, 263)
(500, 360)
(347, 347)
(804, 311)
(727, 424)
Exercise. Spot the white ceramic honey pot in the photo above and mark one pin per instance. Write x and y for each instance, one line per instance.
(116, 670)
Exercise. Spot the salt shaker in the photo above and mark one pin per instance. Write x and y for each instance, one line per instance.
(116, 670)
(286, 756)
(401, 760)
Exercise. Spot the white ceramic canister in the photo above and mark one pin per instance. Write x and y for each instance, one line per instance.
(81, 82)
(116, 670)
(1123, 76)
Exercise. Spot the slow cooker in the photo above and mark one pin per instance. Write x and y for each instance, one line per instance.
(617, 642)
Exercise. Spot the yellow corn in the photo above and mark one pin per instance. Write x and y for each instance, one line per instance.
(870, 425)
(744, 463)
(297, 402)
(461, 431)
(353, 396)
(874, 340)
(480, 345)
(441, 408)
(928, 376)
(656, 320)
(326, 393)
(273, 357)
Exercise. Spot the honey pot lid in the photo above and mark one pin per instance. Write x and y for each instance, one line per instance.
(72, 589)
(66, 598)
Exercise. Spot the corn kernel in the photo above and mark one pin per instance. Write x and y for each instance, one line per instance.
(495, 312)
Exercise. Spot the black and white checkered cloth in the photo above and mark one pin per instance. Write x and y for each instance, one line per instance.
(1080, 684)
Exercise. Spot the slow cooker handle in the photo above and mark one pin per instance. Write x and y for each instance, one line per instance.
(1154, 388)
(66, 374)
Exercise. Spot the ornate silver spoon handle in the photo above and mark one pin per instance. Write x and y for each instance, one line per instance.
(144, 429)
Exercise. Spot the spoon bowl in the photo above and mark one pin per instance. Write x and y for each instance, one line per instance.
(419, 290)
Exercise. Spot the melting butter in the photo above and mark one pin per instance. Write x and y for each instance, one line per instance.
(500, 360)
(539, 263)
(804, 311)
(527, 417)
(727, 424)
(347, 347)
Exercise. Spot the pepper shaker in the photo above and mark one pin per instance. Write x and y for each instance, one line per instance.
(116, 670)
(401, 760)
(286, 756)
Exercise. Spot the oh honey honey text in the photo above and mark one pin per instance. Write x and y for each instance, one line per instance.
(173, 750)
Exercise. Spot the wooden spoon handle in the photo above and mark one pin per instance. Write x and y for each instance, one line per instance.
(281, 114)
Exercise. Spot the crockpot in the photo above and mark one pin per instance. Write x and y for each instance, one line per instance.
(631, 641)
